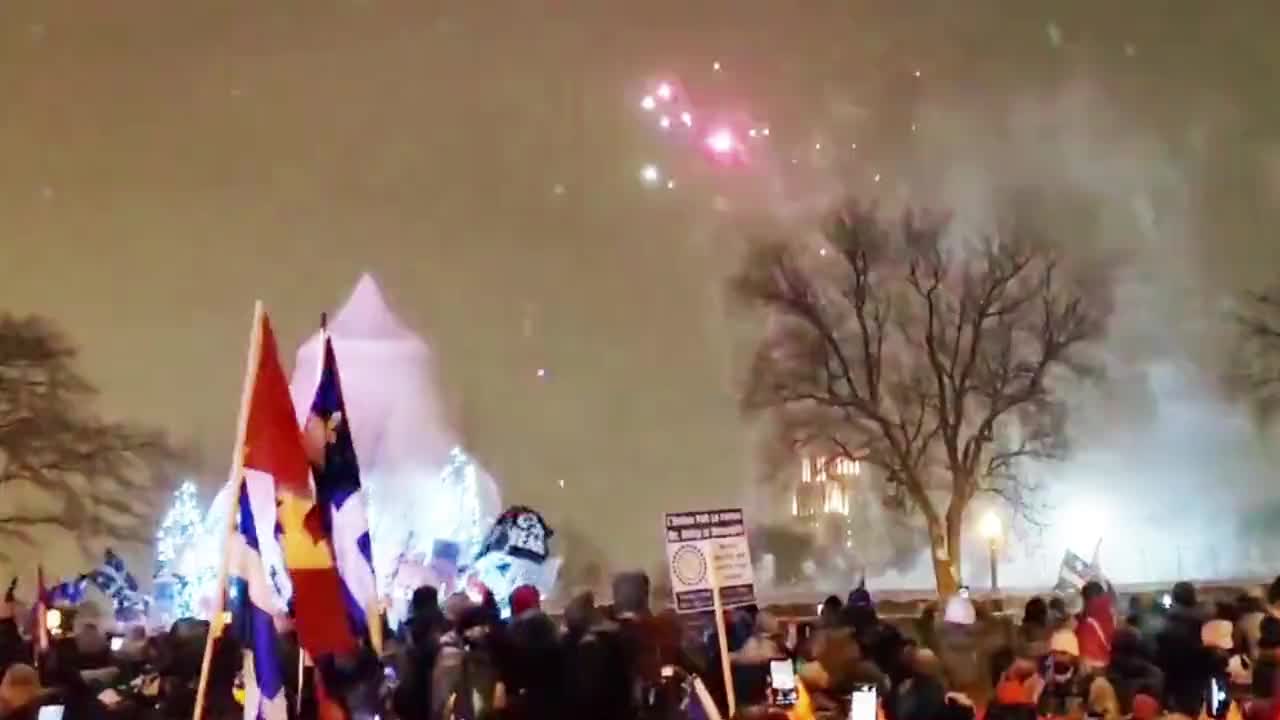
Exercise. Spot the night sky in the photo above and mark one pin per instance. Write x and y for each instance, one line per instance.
(164, 164)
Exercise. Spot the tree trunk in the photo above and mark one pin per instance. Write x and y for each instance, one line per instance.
(955, 523)
(945, 568)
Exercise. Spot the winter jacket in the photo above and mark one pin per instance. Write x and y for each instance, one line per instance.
(1266, 675)
(1131, 674)
(1095, 630)
(1032, 641)
(920, 696)
(597, 670)
(1180, 655)
(1080, 690)
(533, 672)
(883, 644)
(958, 649)
(415, 671)
(465, 680)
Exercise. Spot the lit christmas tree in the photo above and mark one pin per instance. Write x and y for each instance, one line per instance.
(178, 533)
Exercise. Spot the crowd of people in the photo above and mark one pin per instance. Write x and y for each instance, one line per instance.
(458, 659)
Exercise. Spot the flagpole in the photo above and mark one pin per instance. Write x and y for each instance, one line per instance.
(302, 666)
(236, 478)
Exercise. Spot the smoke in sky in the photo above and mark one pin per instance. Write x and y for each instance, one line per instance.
(1166, 470)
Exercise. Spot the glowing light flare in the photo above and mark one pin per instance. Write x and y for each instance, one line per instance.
(716, 66)
(686, 117)
(650, 174)
(648, 103)
(723, 144)
(1084, 521)
(991, 527)
(664, 92)
(664, 122)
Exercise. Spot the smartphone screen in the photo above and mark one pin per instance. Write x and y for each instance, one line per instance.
(1218, 702)
(117, 642)
(51, 712)
(865, 704)
(782, 683)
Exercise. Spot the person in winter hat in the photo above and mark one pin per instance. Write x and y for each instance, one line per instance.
(958, 647)
(1266, 671)
(1016, 692)
(533, 661)
(829, 613)
(922, 695)
(880, 641)
(630, 594)
(1130, 673)
(1222, 660)
(1096, 627)
(525, 599)
(1180, 652)
(1033, 633)
(1069, 686)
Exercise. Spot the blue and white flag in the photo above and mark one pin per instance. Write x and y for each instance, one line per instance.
(253, 601)
(338, 491)
(117, 583)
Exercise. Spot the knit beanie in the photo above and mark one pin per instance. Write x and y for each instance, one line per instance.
(524, 599)
(959, 611)
(631, 592)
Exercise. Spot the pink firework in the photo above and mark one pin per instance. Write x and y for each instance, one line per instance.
(723, 145)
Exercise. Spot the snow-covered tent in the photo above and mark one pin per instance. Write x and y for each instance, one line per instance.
(420, 485)
(403, 439)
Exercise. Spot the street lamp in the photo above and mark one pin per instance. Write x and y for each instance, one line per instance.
(993, 530)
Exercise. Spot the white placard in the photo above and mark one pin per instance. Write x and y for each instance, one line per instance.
(707, 545)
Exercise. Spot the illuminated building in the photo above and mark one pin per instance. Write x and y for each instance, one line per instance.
(822, 496)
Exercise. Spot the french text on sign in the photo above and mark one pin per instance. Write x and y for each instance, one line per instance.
(708, 545)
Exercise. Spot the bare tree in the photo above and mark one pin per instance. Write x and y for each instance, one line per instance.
(935, 365)
(60, 465)
(1257, 370)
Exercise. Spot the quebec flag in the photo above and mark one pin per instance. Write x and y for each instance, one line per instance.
(338, 491)
(253, 600)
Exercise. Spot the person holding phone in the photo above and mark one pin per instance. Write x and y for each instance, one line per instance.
(1070, 688)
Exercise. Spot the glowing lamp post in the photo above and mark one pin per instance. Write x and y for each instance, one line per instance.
(993, 530)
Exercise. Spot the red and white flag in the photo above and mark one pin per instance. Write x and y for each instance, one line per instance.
(273, 447)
